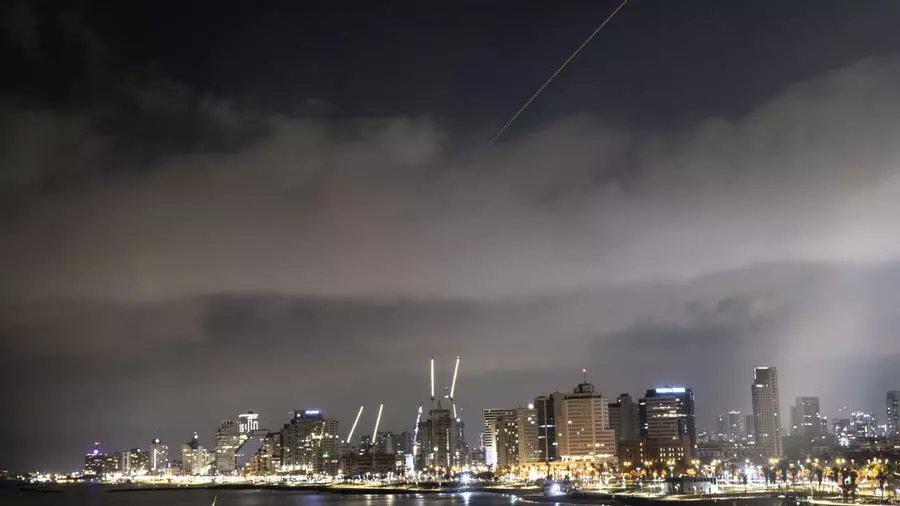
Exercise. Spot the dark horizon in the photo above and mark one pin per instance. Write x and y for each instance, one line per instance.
(211, 208)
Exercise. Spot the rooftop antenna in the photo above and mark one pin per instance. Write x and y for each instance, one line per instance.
(356, 421)
(584, 372)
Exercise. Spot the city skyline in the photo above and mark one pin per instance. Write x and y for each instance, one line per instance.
(652, 425)
(207, 208)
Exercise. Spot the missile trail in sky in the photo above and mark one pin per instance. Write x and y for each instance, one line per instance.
(558, 70)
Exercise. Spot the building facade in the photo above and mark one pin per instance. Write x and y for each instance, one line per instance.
(624, 418)
(582, 426)
(228, 438)
(668, 423)
(893, 413)
(310, 444)
(490, 427)
(545, 412)
(806, 417)
(527, 426)
(159, 456)
(766, 413)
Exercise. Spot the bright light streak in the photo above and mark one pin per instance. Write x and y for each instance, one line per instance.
(453, 383)
(352, 429)
(432, 378)
(416, 432)
(558, 70)
(377, 421)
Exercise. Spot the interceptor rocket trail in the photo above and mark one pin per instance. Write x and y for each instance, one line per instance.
(558, 70)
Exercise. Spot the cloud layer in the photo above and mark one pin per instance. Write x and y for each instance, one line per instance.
(171, 256)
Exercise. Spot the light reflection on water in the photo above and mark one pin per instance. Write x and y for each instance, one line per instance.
(93, 495)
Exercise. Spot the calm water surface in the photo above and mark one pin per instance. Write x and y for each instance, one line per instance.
(87, 495)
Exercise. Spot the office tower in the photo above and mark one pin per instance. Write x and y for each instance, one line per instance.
(527, 426)
(545, 410)
(893, 413)
(505, 437)
(159, 456)
(310, 443)
(582, 426)
(624, 418)
(248, 422)
(766, 409)
(228, 438)
(806, 417)
(490, 417)
(668, 423)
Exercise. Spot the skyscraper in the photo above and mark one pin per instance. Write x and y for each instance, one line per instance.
(668, 422)
(544, 407)
(228, 438)
(893, 413)
(582, 426)
(766, 409)
(624, 418)
(490, 419)
(527, 425)
(806, 417)
(505, 435)
(310, 443)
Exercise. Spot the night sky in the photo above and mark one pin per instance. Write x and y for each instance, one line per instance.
(208, 208)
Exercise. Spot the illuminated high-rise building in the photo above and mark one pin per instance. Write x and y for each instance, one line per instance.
(806, 417)
(668, 423)
(893, 413)
(159, 456)
(505, 435)
(527, 426)
(766, 413)
(582, 426)
(545, 412)
(737, 428)
(228, 438)
(862, 425)
(310, 443)
(490, 418)
(196, 460)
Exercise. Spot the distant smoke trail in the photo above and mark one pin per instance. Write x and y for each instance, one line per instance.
(561, 67)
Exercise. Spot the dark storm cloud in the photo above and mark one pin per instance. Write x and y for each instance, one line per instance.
(273, 353)
(176, 250)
